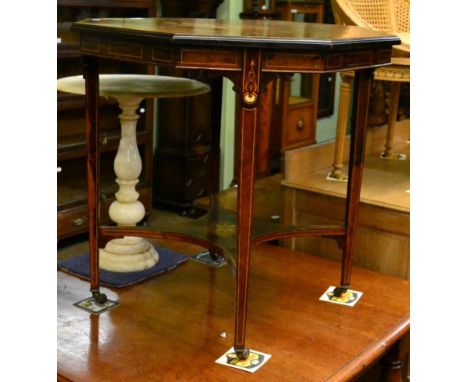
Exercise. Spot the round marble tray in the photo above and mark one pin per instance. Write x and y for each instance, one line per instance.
(143, 85)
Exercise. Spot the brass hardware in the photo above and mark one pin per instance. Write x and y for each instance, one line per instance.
(78, 222)
(300, 125)
(104, 140)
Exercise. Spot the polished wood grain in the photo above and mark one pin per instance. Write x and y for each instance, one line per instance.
(187, 154)
(325, 48)
(218, 231)
(355, 168)
(243, 33)
(90, 73)
(168, 328)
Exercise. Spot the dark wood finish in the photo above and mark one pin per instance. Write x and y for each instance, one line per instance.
(264, 132)
(248, 47)
(347, 46)
(216, 230)
(392, 364)
(187, 156)
(313, 11)
(299, 120)
(318, 11)
(168, 328)
(190, 8)
(259, 10)
(286, 124)
(71, 131)
(91, 75)
(355, 168)
(248, 116)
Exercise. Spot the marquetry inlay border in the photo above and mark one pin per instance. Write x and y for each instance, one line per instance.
(125, 50)
(282, 61)
(198, 58)
(231, 59)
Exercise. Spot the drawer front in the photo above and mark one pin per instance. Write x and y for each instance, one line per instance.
(73, 221)
(300, 128)
(198, 171)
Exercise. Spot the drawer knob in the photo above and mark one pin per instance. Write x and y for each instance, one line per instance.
(78, 222)
(300, 125)
(104, 141)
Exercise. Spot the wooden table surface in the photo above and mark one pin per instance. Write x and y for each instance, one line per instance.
(168, 328)
(247, 33)
(250, 53)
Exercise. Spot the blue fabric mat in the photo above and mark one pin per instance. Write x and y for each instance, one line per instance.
(79, 266)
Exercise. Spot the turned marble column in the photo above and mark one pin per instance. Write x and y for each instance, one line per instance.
(130, 254)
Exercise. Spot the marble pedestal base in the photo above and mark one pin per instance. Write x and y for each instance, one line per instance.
(129, 254)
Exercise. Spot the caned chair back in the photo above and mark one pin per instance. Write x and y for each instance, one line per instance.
(390, 16)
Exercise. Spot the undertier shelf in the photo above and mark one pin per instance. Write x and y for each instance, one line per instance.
(217, 231)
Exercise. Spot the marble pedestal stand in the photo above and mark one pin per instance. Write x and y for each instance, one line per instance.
(130, 254)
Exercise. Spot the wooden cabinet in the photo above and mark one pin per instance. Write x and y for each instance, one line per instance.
(313, 11)
(290, 119)
(294, 119)
(187, 156)
(297, 101)
(72, 217)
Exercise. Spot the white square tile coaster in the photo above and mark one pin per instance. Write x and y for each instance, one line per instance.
(254, 361)
(350, 298)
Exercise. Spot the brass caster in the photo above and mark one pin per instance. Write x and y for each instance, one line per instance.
(242, 354)
(96, 304)
(338, 291)
(99, 297)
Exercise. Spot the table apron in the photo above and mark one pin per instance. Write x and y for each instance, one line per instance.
(230, 59)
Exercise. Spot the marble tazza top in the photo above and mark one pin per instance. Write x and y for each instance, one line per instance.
(136, 85)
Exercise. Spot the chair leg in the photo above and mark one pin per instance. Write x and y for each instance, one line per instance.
(345, 97)
(392, 117)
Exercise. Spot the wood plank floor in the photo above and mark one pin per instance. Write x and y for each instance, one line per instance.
(168, 328)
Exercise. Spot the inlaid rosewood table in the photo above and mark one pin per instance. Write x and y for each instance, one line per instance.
(250, 53)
